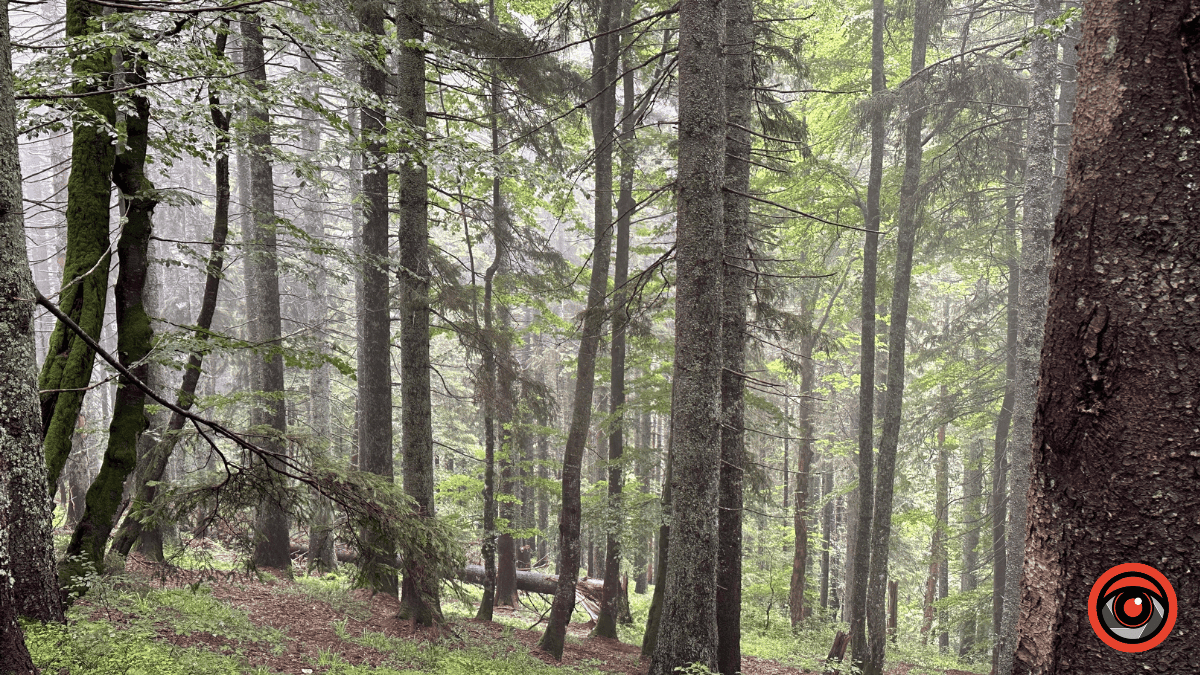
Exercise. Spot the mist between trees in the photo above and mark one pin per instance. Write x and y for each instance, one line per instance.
(735, 302)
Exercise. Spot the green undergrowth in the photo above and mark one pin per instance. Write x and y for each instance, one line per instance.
(114, 629)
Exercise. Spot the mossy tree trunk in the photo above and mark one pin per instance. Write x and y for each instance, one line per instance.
(138, 199)
(24, 503)
(68, 366)
(152, 466)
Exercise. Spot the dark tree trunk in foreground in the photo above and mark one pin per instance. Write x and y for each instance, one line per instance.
(1035, 263)
(153, 464)
(1113, 471)
(889, 439)
(419, 594)
(68, 366)
(90, 538)
(688, 628)
(739, 51)
(615, 599)
(374, 314)
(804, 459)
(271, 528)
(603, 112)
(24, 503)
(858, 549)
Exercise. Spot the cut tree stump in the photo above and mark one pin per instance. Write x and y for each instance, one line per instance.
(837, 652)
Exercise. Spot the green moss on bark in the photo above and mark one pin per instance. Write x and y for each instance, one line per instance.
(69, 361)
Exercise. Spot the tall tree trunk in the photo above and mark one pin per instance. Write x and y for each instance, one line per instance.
(941, 524)
(858, 548)
(322, 557)
(25, 506)
(419, 598)
(640, 560)
(654, 615)
(506, 552)
(826, 533)
(138, 199)
(1113, 471)
(999, 496)
(1035, 262)
(603, 112)
(152, 466)
(272, 545)
(796, 609)
(909, 219)
(65, 374)
(971, 518)
(614, 593)
(375, 336)
(688, 628)
(739, 52)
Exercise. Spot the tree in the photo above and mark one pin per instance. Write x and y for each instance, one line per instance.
(688, 628)
(1031, 313)
(419, 598)
(269, 415)
(615, 600)
(1112, 476)
(66, 374)
(603, 113)
(858, 554)
(375, 334)
(739, 52)
(22, 468)
(138, 199)
(153, 464)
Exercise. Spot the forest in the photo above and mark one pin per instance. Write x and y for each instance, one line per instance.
(599, 336)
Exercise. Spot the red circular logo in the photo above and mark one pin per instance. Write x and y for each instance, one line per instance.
(1132, 607)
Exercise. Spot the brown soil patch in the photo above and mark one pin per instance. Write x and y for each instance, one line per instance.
(308, 623)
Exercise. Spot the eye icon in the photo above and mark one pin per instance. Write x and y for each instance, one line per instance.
(1132, 607)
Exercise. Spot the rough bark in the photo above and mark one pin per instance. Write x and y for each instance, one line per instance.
(688, 628)
(739, 51)
(419, 593)
(90, 537)
(858, 549)
(1113, 470)
(603, 111)
(375, 336)
(25, 505)
(153, 464)
(66, 373)
(268, 414)
(908, 221)
(1035, 261)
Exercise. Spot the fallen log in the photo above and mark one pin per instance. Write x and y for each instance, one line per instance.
(536, 582)
(530, 582)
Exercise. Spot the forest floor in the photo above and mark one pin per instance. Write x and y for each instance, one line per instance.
(151, 618)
